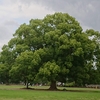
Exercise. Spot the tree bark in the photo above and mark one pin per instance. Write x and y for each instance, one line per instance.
(53, 85)
(26, 84)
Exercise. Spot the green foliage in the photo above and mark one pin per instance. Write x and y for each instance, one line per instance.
(50, 70)
(23, 66)
(52, 49)
(71, 84)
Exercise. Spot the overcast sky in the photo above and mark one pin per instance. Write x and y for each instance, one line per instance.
(13, 13)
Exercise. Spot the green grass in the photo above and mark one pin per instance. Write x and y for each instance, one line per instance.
(14, 92)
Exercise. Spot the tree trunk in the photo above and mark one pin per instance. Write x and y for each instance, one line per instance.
(53, 85)
(26, 84)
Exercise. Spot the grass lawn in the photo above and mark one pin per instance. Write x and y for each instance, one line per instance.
(15, 92)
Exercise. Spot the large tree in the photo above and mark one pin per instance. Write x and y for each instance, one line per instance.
(54, 49)
(68, 49)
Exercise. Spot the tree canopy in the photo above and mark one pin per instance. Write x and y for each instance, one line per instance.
(54, 48)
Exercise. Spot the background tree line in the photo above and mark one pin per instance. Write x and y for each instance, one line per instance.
(52, 49)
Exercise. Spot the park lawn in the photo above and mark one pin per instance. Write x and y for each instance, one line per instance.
(16, 93)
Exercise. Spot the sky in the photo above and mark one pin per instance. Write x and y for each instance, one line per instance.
(13, 13)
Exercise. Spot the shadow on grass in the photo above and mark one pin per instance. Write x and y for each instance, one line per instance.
(64, 89)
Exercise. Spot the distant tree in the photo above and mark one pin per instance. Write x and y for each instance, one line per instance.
(6, 62)
(94, 69)
(23, 67)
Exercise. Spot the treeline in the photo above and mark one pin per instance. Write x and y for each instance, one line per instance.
(52, 49)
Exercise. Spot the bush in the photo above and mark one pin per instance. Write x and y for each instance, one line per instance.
(71, 84)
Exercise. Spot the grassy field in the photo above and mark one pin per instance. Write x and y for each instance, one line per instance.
(15, 92)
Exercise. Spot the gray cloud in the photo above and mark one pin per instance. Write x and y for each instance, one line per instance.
(85, 11)
(7, 28)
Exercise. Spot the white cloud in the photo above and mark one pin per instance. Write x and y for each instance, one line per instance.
(18, 9)
(13, 13)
